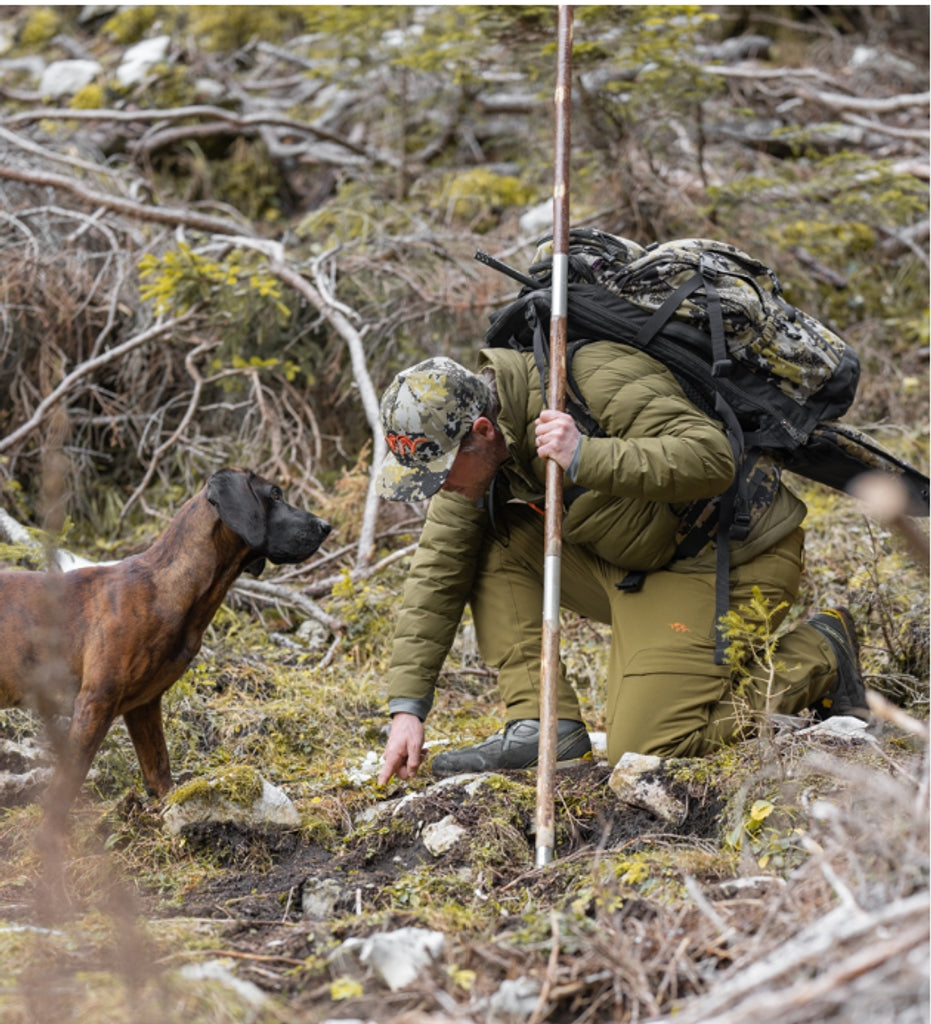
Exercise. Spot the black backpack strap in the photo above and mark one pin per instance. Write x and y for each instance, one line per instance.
(722, 578)
(705, 277)
(663, 315)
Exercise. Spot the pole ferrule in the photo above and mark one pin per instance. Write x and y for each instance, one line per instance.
(552, 573)
(560, 280)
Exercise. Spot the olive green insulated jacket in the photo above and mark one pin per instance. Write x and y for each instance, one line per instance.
(660, 454)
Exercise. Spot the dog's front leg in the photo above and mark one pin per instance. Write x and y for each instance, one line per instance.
(90, 721)
(145, 730)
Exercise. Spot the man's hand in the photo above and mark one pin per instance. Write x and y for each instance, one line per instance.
(557, 437)
(404, 749)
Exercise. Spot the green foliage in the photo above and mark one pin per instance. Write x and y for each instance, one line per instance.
(249, 180)
(652, 50)
(169, 85)
(750, 631)
(478, 196)
(238, 784)
(353, 215)
(225, 28)
(42, 24)
(90, 97)
(130, 24)
(768, 832)
(836, 209)
(368, 610)
(235, 286)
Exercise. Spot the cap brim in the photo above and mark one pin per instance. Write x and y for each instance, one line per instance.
(398, 481)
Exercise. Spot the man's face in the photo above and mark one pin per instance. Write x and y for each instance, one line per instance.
(463, 472)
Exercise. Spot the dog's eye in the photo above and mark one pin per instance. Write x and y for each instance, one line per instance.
(276, 494)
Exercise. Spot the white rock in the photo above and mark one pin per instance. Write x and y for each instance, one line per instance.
(141, 58)
(32, 65)
(23, 787)
(272, 809)
(599, 741)
(537, 221)
(514, 1002)
(630, 785)
(842, 726)
(66, 77)
(471, 782)
(319, 898)
(442, 835)
(750, 887)
(313, 634)
(396, 958)
(209, 89)
(366, 770)
(215, 970)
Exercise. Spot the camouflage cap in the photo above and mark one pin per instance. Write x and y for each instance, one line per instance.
(426, 412)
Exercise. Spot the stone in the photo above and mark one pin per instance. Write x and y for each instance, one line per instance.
(396, 958)
(319, 897)
(240, 797)
(218, 972)
(514, 1002)
(442, 835)
(845, 727)
(633, 781)
(66, 77)
(139, 60)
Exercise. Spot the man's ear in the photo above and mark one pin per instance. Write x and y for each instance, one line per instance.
(484, 428)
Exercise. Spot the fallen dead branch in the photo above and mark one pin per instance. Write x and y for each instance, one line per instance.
(890, 933)
(174, 217)
(84, 369)
(281, 594)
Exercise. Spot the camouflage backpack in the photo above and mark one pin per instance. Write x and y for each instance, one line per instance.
(773, 375)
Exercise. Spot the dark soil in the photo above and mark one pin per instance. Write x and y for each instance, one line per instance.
(266, 872)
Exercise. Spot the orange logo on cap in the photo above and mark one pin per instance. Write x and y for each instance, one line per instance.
(401, 444)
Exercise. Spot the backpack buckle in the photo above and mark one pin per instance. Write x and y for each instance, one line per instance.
(722, 367)
(740, 525)
(707, 269)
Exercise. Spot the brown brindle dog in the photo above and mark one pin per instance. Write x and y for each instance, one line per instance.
(109, 640)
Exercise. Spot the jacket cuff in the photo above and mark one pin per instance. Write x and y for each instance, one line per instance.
(419, 706)
(572, 470)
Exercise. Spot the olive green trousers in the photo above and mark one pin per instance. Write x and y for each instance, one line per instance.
(665, 695)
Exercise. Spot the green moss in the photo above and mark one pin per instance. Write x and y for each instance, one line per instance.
(90, 97)
(232, 27)
(130, 24)
(41, 26)
(478, 196)
(240, 785)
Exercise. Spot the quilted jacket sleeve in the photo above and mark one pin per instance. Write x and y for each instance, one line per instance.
(434, 598)
(659, 446)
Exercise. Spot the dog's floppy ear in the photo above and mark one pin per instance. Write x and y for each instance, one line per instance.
(231, 494)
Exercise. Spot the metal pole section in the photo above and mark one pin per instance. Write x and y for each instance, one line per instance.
(556, 399)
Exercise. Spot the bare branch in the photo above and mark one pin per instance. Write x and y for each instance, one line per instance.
(85, 368)
(288, 595)
(338, 316)
(322, 587)
(239, 122)
(142, 211)
(193, 402)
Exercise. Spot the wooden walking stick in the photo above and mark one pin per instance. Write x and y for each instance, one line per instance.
(556, 399)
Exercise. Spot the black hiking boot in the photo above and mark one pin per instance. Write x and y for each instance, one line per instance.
(848, 695)
(516, 747)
